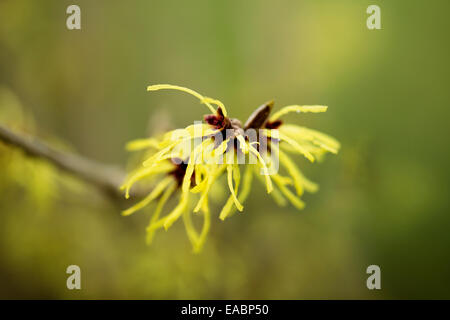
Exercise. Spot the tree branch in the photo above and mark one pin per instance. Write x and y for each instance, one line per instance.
(106, 177)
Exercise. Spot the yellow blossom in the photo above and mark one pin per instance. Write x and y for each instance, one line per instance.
(187, 162)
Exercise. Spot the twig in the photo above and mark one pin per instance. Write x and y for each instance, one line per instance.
(107, 177)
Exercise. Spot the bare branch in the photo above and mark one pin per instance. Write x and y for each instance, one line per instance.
(107, 177)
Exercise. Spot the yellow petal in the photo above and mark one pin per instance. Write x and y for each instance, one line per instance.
(264, 167)
(162, 201)
(300, 149)
(276, 194)
(296, 108)
(246, 187)
(154, 159)
(243, 144)
(190, 229)
(152, 196)
(212, 176)
(320, 139)
(204, 233)
(297, 202)
(202, 99)
(144, 173)
(175, 213)
(140, 144)
(217, 103)
(230, 185)
(300, 181)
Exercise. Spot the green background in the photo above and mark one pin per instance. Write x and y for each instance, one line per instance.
(383, 199)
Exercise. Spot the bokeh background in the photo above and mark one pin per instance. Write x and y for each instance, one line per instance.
(383, 199)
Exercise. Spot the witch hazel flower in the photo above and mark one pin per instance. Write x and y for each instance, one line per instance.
(186, 163)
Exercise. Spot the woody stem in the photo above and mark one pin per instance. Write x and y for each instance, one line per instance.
(106, 177)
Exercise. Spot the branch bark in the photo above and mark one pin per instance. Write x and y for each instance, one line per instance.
(106, 177)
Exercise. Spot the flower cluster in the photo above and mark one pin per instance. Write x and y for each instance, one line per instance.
(189, 161)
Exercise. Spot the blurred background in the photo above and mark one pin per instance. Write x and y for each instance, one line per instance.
(383, 199)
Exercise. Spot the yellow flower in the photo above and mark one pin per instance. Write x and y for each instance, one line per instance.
(189, 161)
